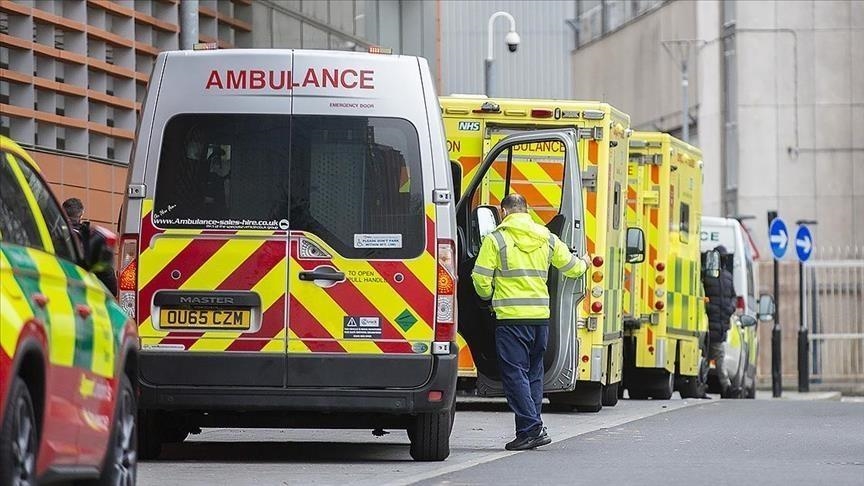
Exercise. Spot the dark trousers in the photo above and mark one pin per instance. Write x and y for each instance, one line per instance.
(520, 359)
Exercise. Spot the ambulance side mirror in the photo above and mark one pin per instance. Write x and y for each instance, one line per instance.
(635, 245)
(487, 219)
(711, 264)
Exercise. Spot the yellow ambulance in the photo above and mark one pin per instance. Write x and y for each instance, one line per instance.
(473, 125)
(665, 327)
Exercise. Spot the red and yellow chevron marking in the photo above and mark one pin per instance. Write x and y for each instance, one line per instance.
(371, 289)
(467, 367)
(207, 261)
(198, 260)
(539, 181)
(469, 167)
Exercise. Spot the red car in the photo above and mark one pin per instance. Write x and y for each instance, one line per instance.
(67, 350)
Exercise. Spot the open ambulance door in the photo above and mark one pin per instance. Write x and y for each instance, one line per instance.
(476, 321)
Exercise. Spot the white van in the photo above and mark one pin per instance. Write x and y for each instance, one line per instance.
(290, 247)
(742, 339)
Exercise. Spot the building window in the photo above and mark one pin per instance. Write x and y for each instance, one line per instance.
(597, 18)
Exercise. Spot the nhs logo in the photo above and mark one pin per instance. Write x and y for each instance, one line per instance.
(469, 126)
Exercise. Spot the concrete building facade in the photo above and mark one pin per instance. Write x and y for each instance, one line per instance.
(776, 100)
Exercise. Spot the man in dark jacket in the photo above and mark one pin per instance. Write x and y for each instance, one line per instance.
(102, 267)
(720, 292)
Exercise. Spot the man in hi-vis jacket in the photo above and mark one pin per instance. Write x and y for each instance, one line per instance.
(511, 270)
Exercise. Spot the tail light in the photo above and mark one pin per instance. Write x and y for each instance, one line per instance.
(596, 306)
(659, 305)
(740, 305)
(127, 283)
(541, 113)
(445, 299)
(597, 261)
(660, 266)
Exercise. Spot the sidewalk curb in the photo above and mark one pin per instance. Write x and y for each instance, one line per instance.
(833, 396)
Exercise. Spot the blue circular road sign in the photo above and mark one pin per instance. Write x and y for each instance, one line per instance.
(803, 243)
(778, 236)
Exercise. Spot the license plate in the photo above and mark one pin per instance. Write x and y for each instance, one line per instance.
(233, 319)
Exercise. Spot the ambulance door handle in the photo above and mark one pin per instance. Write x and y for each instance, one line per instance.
(323, 273)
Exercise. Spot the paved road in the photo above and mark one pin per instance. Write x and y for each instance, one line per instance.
(733, 442)
(647, 442)
(280, 457)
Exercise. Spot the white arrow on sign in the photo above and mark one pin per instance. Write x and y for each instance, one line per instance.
(780, 239)
(806, 244)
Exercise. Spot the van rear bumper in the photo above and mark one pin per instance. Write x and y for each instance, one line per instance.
(211, 394)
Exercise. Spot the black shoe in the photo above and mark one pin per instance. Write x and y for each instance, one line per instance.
(529, 441)
(541, 440)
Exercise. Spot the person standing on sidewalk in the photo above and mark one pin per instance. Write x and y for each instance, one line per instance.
(720, 292)
(511, 270)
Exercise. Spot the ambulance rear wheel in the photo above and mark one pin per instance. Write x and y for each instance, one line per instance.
(430, 436)
(610, 394)
(664, 385)
(695, 386)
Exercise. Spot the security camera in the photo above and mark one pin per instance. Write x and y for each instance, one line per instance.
(512, 40)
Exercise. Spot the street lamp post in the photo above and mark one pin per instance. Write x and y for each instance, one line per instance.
(512, 39)
(680, 51)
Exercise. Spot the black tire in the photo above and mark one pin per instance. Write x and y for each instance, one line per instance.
(430, 435)
(121, 458)
(610, 394)
(750, 391)
(695, 386)
(663, 386)
(736, 390)
(19, 437)
(149, 436)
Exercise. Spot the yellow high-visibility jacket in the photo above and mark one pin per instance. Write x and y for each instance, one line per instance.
(513, 266)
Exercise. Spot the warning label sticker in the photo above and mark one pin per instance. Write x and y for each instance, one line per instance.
(354, 327)
(381, 240)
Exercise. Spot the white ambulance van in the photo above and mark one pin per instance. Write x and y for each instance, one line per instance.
(289, 247)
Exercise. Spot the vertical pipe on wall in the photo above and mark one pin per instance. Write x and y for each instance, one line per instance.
(188, 24)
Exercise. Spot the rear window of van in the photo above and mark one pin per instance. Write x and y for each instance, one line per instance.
(355, 182)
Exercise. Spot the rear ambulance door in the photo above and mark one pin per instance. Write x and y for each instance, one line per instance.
(362, 269)
(213, 241)
(476, 323)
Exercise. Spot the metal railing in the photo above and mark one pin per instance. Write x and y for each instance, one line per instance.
(833, 290)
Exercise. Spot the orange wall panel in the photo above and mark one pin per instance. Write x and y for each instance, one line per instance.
(97, 184)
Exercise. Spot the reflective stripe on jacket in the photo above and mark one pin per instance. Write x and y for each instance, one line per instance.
(513, 265)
